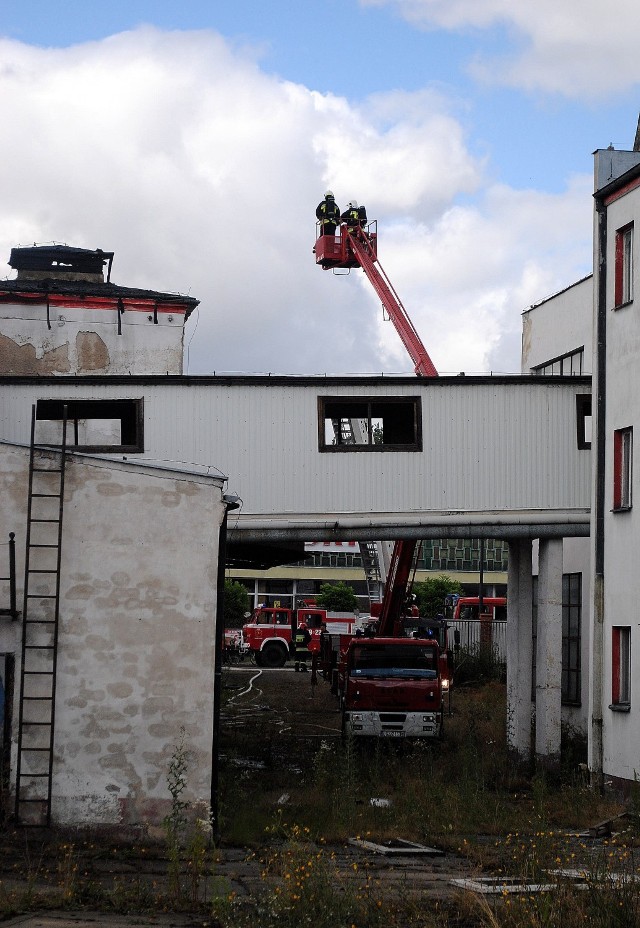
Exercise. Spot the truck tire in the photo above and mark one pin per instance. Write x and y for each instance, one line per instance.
(273, 655)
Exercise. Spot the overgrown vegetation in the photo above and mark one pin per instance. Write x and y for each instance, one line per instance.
(462, 794)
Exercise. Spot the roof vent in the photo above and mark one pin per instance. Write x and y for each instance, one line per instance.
(61, 262)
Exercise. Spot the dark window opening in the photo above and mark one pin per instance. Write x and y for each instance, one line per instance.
(566, 365)
(106, 426)
(584, 420)
(370, 423)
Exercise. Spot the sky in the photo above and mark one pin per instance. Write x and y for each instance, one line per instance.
(195, 140)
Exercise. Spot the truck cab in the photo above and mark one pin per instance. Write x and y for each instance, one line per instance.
(392, 688)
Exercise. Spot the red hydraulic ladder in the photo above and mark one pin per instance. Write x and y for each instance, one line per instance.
(358, 248)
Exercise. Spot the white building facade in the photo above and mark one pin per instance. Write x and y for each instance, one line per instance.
(615, 531)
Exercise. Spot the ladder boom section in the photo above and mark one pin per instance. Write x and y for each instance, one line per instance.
(395, 590)
(390, 300)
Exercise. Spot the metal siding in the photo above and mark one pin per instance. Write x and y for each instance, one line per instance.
(485, 446)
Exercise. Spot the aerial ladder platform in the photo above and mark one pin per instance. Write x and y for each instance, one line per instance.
(357, 247)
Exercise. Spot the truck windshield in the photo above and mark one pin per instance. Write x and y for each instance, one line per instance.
(397, 660)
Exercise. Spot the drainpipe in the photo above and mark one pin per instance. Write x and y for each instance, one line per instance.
(597, 668)
(230, 503)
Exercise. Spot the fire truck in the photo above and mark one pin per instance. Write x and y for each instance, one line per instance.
(472, 608)
(389, 685)
(268, 634)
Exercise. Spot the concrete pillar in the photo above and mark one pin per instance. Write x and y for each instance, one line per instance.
(519, 650)
(548, 684)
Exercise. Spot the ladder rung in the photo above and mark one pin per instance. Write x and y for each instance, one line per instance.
(41, 596)
(39, 647)
(35, 723)
(46, 495)
(33, 775)
(28, 750)
(46, 470)
(38, 673)
(41, 570)
(40, 621)
(42, 546)
(38, 698)
(45, 520)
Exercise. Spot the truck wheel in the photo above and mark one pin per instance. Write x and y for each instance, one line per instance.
(273, 655)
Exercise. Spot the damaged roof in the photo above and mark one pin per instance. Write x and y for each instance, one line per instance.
(62, 269)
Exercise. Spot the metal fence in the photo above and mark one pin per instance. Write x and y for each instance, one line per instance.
(476, 634)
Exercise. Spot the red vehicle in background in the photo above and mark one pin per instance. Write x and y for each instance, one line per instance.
(268, 634)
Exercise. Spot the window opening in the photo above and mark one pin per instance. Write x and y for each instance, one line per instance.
(584, 420)
(624, 266)
(566, 365)
(106, 426)
(622, 468)
(621, 666)
(370, 424)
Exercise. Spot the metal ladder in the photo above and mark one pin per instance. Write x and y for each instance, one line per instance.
(371, 567)
(40, 619)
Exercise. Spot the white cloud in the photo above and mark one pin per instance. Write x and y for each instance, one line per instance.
(577, 48)
(202, 173)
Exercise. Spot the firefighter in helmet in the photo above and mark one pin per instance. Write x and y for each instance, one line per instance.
(328, 213)
(355, 216)
(301, 641)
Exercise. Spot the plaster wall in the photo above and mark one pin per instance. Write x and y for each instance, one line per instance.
(136, 639)
(86, 341)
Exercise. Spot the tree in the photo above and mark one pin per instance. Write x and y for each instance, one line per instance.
(236, 604)
(337, 597)
(430, 594)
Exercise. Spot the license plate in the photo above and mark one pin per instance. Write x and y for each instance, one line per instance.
(392, 734)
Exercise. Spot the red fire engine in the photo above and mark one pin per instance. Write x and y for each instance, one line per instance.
(268, 634)
(389, 685)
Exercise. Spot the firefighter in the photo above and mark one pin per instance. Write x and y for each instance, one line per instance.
(351, 216)
(301, 651)
(328, 212)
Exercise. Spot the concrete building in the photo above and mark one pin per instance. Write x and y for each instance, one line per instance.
(615, 528)
(116, 558)
(557, 341)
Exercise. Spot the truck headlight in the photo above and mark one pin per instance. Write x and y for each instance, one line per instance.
(355, 717)
(445, 685)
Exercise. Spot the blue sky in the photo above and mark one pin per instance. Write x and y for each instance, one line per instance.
(468, 124)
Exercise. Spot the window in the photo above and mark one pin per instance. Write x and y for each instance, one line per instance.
(571, 638)
(584, 420)
(624, 266)
(622, 468)
(566, 365)
(107, 426)
(391, 423)
(621, 667)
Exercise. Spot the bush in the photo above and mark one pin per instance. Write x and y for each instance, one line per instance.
(430, 594)
(337, 597)
(236, 604)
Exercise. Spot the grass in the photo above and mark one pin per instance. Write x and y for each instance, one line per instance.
(461, 794)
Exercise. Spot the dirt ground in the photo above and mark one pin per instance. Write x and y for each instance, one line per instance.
(277, 714)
